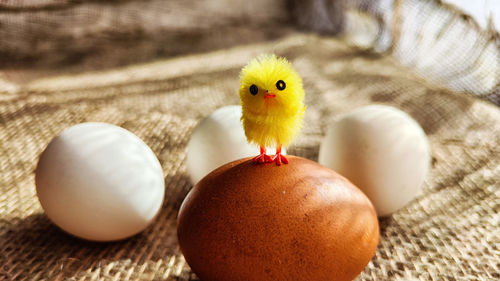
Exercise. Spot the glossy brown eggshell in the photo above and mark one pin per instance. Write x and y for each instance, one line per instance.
(300, 221)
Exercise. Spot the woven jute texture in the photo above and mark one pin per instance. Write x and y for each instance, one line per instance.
(450, 232)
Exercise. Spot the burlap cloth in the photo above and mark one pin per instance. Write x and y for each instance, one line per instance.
(451, 232)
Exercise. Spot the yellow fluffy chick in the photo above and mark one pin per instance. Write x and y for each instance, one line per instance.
(272, 101)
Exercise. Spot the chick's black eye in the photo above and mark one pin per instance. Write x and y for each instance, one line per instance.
(280, 85)
(254, 90)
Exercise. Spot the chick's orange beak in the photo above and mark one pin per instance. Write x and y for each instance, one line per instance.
(268, 95)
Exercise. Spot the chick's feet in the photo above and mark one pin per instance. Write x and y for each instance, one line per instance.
(279, 158)
(263, 157)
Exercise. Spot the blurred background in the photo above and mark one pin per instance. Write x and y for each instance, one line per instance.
(452, 42)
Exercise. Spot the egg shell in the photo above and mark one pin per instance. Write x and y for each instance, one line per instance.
(218, 139)
(383, 151)
(99, 182)
(299, 221)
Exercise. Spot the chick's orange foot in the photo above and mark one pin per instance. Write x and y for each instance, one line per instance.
(279, 159)
(263, 157)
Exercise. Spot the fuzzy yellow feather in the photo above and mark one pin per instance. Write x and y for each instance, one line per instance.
(272, 100)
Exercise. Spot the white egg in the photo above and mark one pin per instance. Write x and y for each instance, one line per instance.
(218, 139)
(383, 151)
(99, 182)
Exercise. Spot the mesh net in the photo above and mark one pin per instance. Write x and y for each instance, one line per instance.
(438, 42)
(56, 75)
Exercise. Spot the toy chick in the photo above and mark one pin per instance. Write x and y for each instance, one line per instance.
(272, 101)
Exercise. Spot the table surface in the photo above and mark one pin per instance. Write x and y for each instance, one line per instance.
(450, 232)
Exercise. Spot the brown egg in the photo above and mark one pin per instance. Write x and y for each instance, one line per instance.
(299, 221)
